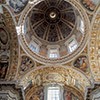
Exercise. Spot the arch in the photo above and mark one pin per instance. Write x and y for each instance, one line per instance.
(33, 91)
(10, 28)
(56, 74)
(94, 46)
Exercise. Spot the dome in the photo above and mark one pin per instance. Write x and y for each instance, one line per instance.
(53, 31)
(51, 21)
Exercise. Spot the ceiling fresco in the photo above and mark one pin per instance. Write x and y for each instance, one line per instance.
(26, 64)
(90, 5)
(82, 63)
(17, 5)
(44, 42)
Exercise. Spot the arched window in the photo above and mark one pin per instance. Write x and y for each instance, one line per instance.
(34, 46)
(54, 92)
(53, 53)
(72, 45)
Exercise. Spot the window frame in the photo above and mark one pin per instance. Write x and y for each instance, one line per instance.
(53, 85)
(35, 45)
(54, 52)
(70, 47)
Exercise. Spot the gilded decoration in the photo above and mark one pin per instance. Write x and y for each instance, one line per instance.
(61, 75)
(37, 93)
(34, 70)
(94, 46)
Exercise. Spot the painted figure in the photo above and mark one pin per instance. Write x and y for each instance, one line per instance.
(3, 69)
(3, 36)
(17, 5)
(68, 95)
(4, 53)
(90, 4)
(26, 63)
(82, 63)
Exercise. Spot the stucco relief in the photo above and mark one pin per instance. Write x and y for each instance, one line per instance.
(93, 93)
(10, 91)
(53, 77)
(38, 93)
(38, 80)
(59, 75)
(73, 78)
